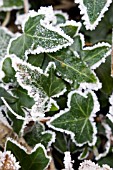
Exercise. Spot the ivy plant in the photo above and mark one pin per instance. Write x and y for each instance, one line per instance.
(55, 89)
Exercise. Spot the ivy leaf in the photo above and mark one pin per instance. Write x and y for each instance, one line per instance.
(38, 37)
(5, 36)
(37, 159)
(43, 87)
(61, 17)
(9, 5)
(16, 105)
(71, 28)
(8, 70)
(92, 55)
(37, 134)
(93, 11)
(77, 119)
(63, 143)
(70, 67)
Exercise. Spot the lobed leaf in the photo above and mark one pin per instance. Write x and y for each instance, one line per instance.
(77, 119)
(38, 37)
(92, 55)
(37, 134)
(37, 159)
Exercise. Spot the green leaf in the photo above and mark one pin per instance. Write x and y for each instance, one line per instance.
(5, 36)
(77, 119)
(70, 67)
(104, 75)
(63, 143)
(92, 55)
(71, 28)
(37, 159)
(107, 160)
(9, 5)
(37, 37)
(43, 87)
(36, 60)
(7, 96)
(16, 104)
(61, 17)
(8, 70)
(93, 11)
(37, 134)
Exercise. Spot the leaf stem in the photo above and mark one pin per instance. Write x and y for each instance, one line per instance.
(7, 18)
(26, 6)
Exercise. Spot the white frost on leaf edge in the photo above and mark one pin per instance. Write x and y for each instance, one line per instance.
(83, 11)
(91, 86)
(100, 44)
(108, 143)
(68, 163)
(39, 145)
(12, 111)
(73, 23)
(111, 102)
(57, 30)
(96, 108)
(2, 117)
(52, 139)
(64, 14)
(80, 156)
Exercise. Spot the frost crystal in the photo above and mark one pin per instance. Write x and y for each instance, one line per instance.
(89, 165)
(68, 162)
(8, 161)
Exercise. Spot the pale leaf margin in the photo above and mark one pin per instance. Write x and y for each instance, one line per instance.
(100, 44)
(73, 23)
(49, 16)
(2, 8)
(108, 143)
(91, 118)
(83, 11)
(39, 145)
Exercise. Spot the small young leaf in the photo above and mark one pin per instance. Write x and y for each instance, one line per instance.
(71, 28)
(9, 5)
(93, 11)
(9, 71)
(37, 134)
(92, 55)
(77, 119)
(37, 159)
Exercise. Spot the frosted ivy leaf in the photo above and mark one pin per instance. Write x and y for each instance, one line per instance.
(5, 36)
(71, 68)
(39, 36)
(78, 119)
(36, 159)
(92, 11)
(43, 87)
(8, 5)
(92, 55)
(37, 134)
